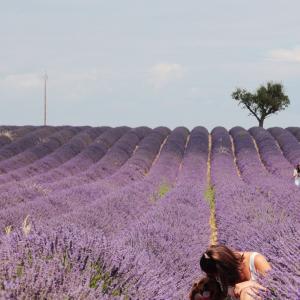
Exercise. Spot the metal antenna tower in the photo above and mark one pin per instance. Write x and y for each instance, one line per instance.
(45, 77)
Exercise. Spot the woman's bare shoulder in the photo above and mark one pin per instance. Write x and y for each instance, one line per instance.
(261, 264)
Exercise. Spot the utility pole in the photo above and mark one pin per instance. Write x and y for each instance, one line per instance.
(45, 98)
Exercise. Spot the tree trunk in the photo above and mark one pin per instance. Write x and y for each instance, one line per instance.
(261, 122)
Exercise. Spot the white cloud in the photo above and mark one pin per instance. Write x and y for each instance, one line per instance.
(64, 85)
(21, 81)
(161, 74)
(288, 55)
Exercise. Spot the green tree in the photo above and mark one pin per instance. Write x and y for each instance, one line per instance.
(267, 100)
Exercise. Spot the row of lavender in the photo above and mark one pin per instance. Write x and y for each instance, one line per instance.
(122, 191)
(56, 166)
(259, 210)
(28, 190)
(32, 198)
(113, 216)
(39, 189)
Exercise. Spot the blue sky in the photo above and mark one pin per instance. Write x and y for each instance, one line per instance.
(138, 62)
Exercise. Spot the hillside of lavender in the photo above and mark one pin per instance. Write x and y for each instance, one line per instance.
(123, 213)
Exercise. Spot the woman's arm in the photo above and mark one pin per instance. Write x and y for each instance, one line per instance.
(248, 290)
(262, 266)
(250, 294)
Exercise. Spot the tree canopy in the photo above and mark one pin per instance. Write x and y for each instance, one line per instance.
(267, 100)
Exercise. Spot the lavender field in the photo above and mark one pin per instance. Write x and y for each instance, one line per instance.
(125, 213)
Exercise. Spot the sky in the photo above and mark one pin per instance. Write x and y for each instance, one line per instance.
(154, 63)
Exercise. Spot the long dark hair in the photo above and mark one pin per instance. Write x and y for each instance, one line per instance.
(298, 168)
(206, 284)
(220, 262)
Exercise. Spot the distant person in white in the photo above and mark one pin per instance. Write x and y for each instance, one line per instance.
(296, 175)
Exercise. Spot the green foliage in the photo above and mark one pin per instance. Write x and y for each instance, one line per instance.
(66, 261)
(107, 282)
(96, 277)
(94, 280)
(20, 270)
(162, 190)
(104, 279)
(29, 258)
(48, 257)
(267, 100)
(210, 196)
(116, 293)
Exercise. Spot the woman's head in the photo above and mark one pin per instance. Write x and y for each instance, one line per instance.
(206, 289)
(220, 262)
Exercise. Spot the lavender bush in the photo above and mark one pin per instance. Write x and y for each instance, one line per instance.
(121, 213)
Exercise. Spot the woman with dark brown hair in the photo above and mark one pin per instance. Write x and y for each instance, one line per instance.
(206, 289)
(235, 271)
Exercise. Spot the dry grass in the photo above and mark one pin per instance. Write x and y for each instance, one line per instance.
(8, 134)
(210, 197)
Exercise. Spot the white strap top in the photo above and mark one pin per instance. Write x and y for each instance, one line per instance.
(253, 272)
(253, 275)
